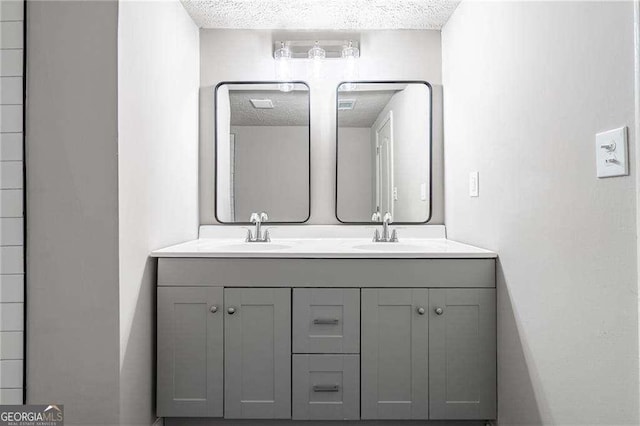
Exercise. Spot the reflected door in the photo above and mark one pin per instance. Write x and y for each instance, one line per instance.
(384, 166)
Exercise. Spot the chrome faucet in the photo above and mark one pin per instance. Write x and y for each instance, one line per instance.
(258, 236)
(386, 222)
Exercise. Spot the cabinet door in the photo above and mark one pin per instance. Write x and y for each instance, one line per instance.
(190, 355)
(462, 353)
(394, 356)
(257, 353)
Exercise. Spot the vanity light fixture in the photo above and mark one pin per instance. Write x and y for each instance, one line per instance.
(343, 46)
(282, 57)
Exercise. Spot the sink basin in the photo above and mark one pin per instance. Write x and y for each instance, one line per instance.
(255, 247)
(390, 247)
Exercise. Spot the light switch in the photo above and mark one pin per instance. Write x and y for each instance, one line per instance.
(473, 184)
(423, 191)
(611, 153)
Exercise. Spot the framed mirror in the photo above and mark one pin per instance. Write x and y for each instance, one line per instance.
(383, 152)
(262, 151)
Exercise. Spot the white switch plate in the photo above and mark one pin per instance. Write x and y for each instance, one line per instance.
(611, 153)
(473, 184)
(423, 191)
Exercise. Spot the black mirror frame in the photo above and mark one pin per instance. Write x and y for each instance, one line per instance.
(215, 138)
(430, 146)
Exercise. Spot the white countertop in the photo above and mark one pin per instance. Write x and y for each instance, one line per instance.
(321, 242)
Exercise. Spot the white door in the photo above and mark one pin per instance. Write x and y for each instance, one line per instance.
(384, 165)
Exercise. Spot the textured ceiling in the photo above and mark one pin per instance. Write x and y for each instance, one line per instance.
(321, 14)
(289, 109)
(367, 107)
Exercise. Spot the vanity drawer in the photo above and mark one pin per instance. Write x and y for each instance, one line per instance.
(326, 320)
(326, 387)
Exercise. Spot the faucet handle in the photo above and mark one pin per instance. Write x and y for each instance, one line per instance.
(249, 236)
(394, 237)
(267, 237)
(264, 217)
(375, 217)
(376, 236)
(254, 218)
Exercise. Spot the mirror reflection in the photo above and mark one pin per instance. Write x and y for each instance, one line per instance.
(383, 151)
(262, 152)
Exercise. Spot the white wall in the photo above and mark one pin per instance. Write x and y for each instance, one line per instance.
(355, 198)
(223, 131)
(279, 155)
(237, 55)
(72, 209)
(527, 87)
(158, 79)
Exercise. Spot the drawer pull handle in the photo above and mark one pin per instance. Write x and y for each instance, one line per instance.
(330, 321)
(326, 388)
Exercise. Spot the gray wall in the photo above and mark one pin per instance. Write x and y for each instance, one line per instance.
(158, 82)
(272, 172)
(410, 131)
(228, 55)
(11, 203)
(72, 209)
(527, 87)
(355, 198)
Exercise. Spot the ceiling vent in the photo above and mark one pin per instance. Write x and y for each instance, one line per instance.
(262, 103)
(346, 104)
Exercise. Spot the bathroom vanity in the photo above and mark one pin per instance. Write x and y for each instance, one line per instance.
(324, 322)
(326, 328)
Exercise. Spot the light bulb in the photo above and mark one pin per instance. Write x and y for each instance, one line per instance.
(316, 55)
(282, 57)
(351, 72)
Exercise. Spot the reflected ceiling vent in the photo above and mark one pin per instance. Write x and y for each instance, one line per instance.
(262, 103)
(346, 104)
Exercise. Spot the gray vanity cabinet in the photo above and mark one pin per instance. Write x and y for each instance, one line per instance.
(462, 354)
(326, 339)
(190, 355)
(394, 355)
(257, 349)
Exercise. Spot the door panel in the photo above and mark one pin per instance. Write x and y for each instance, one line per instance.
(394, 357)
(258, 353)
(190, 355)
(462, 354)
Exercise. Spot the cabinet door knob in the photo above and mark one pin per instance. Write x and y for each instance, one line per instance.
(439, 311)
(420, 311)
(231, 311)
(213, 309)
